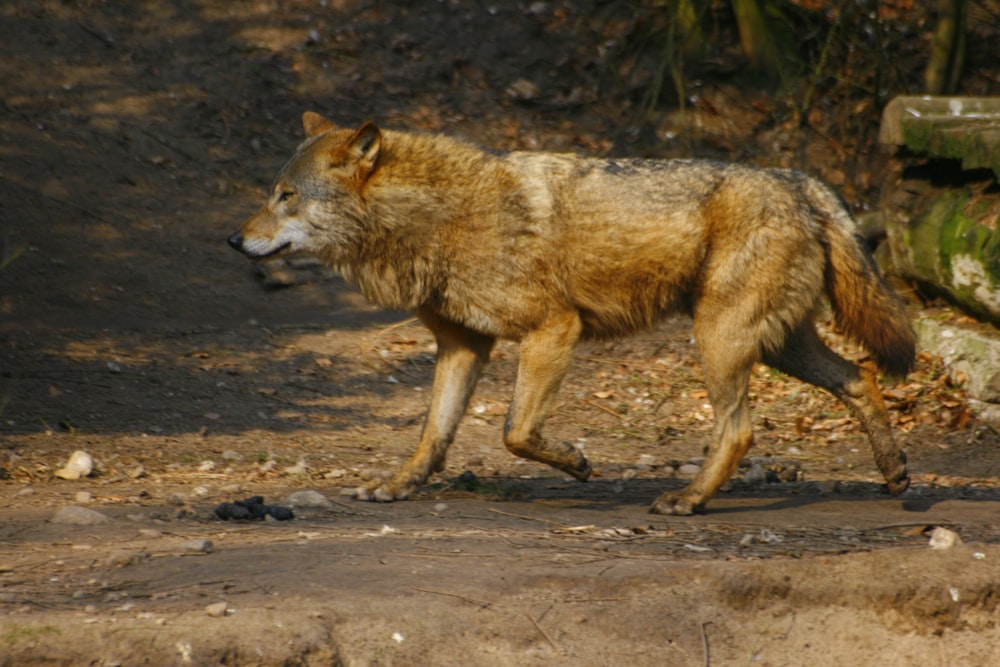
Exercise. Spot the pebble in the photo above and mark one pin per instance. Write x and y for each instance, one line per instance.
(828, 486)
(308, 498)
(124, 558)
(299, 468)
(756, 475)
(336, 473)
(689, 469)
(198, 547)
(647, 460)
(217, 610)
(79, 516)
(84, 497)
(942, 538)
(80, 464)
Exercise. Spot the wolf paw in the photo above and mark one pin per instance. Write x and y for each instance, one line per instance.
(675, 504)
(581, 471)
(899, 483)
(379, 492)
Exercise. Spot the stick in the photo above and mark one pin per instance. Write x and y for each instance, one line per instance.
(542, 632)
(704, 644)
(605, 408)
(478, 603)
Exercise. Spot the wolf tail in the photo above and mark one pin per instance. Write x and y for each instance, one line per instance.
(867, 309)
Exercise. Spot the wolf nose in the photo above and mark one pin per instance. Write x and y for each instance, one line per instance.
(236, 240)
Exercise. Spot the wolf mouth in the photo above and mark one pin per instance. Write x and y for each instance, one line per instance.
(236, 241)
(280, 249)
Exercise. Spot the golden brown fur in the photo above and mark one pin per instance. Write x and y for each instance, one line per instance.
(547, 249)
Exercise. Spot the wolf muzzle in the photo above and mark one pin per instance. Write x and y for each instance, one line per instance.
(236, 241)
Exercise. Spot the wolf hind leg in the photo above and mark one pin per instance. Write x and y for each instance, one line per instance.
(806, 357)
(461, 355)
(545, 357)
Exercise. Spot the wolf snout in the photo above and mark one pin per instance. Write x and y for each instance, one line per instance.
(236, 241)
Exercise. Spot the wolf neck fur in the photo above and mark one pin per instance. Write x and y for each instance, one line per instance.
(398, 253)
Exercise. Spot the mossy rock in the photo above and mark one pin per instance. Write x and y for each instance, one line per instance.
(941, 224)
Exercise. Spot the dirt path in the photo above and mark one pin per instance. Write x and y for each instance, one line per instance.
(136, 136)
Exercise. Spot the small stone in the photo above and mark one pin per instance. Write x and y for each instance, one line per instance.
(137, 472)
(647, 460)
(942, 538)
(124, 558)
(198, 547)
(522, 89)
(336, 473)
(299, 468)
(79, 516)
(308, 498)
(84, 497)
(232, 455)
(206, 466)
(689, 469)
(80, 464)
(827, 486)
(756, 476)
(217, 610)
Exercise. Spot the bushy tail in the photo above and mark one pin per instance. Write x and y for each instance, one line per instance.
(867, 309)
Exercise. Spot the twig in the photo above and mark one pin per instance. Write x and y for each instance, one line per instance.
(528, 518)
(107, 40)
(605, 408)
(478, 603)
(908, 524)
(704, 644)
(543, 633)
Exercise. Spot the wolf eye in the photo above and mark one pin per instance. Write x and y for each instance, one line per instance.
(285, 195)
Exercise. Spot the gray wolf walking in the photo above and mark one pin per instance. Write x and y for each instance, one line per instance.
(548, 249)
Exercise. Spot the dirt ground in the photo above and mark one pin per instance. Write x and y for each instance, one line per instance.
(136, 137)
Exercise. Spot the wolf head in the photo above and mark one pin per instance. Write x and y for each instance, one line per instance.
(315, 203)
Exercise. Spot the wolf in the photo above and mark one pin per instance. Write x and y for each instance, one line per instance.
(549, 249)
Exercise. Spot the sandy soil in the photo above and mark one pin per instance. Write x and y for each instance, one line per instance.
(136, 136)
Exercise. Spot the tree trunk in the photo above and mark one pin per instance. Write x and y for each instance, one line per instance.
(944, 67)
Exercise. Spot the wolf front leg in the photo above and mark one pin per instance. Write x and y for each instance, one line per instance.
(461, 355)
(545, 357)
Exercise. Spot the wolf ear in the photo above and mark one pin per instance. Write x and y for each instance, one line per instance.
(364, 147)
(315, 124)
